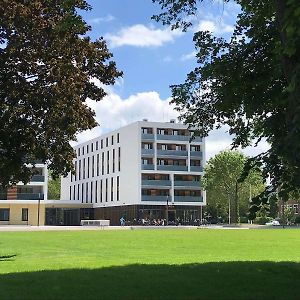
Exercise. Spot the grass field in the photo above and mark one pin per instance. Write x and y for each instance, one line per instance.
(150, 264)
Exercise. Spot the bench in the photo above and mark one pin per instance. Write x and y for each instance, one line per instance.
(94, 223)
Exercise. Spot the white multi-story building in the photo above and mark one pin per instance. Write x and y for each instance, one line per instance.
(146, 170)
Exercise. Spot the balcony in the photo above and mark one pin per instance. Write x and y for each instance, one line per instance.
(147, 151)
(147, 136)
(147, 167)
(172, 168)
(196, 154)
(37, 178)
(188, 199)
(187, 183)
(171, 153)
(196, 169)
(173, 137)
(27, 196)
(156, 198)
(166, 183)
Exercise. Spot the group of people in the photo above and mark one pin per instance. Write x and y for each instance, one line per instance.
(161, 222)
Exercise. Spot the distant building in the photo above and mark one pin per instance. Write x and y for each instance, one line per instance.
(135, 171)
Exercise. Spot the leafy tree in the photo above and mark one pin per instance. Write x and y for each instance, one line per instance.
(251, 83)
(47, 67)
(53, 188)
(224, 188)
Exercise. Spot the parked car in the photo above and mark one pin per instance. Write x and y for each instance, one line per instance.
(273, 223)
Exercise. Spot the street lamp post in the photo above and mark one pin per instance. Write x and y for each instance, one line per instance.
(167, 211)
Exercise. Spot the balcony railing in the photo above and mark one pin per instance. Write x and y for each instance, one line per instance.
(187, 183)
(196, 169)
(37, 178)
(155, 198)
(148, 151)
(28, 196)
(156, 182)
(188, 199)
(147, 167)
(173, 137)
(148, 136)
(196, 154)
(172, 153)
(172, 168)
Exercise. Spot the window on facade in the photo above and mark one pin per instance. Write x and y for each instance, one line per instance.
(107, 142)
(101, 187)
(98, 164)
(106, 188)
(195, 148)
(83, 167)
(118, 137)
(91, 192)
(75, 170)
(97, 145)
(102, 163)
(70, 192)
(93, 166)
(118, 188)
(82, 150)
(74, 187)
(161, 162)
(96, 191)
(147, 146)
(101, 144)
(82, 194)
(79, 170)
(4, 214)
(78, 151)
(113, 161)
(112, 189)
(119, 160)
(86, 192)
(175, 132)
(24, 214)
(107, 162)
(92, 147)
(112, 139)
(146, 130)
(78, 192)
(195, 163)
(87, 148)
(161, 131)
(88, 167)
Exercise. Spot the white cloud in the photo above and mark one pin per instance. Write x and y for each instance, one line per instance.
(105, 19)
(114, 112)
(140, 35)
(215, 26)
(191, 55)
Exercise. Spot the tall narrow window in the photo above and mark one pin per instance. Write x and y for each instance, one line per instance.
(107, 162)
(83, 167)
(82, 194)
(75, 170)
(113, 161)
(112, 189)
(118, 137)
(118, 188)
(112, 139)
(97, 145)
(102, 163)
(88, 167)
(82, 150)
(107, 142)
(86, 192)
(24, 214)
(78, 191)
(93, 166)
(101, 187)
(74, 191)
(106, 188)
(79, 170)
(98, 164)
(91, 192)
(101, 144)
(78, 151)
(87, 148)
(70, 192)
(96, 191)
(119, 159)
(92, 147)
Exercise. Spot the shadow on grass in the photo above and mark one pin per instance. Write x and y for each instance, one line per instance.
(10, 257)
(224, 280)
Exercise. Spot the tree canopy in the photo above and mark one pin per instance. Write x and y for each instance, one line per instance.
(250, 82)
(227, 196)
(47, 67)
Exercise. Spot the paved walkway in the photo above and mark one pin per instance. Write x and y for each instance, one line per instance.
(74, 228)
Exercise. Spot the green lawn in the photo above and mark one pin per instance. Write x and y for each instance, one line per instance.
(150, 264)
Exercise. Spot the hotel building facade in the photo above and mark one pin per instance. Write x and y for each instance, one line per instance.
(145, 170)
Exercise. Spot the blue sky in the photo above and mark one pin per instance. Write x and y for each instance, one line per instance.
(152, 58)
